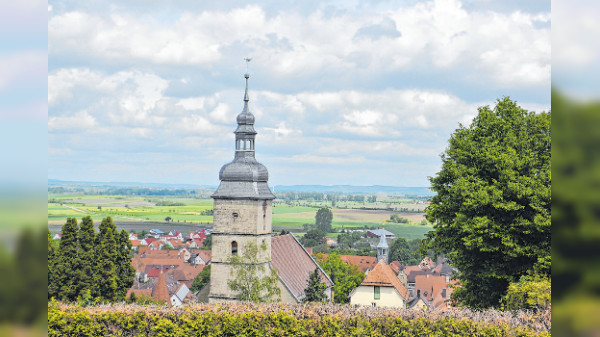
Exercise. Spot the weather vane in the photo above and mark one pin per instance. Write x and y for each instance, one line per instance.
(247, 59)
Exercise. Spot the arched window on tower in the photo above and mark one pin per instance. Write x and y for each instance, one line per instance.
(234, 248)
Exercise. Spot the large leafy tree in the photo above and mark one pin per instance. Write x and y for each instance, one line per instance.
(252, 281)
(345, 277)
(323, 219)
(491, 211)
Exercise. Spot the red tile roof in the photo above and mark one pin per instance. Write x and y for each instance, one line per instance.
(294, 264)
(205, 254)
(383, 276)
(396, 266)
(363, 263)
(160, 291)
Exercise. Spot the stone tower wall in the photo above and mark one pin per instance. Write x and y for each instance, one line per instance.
(245, 222)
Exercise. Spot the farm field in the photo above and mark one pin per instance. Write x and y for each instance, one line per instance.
(135, 211)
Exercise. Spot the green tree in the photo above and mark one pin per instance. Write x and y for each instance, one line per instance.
(313, 237)
(531, 292)
(315, 289)
(491, 211)
(201, 279)
(345, 277)
(106, 279)
(85, 273)
(53, 286)
(67, 262)
(401, 251)
(323, 219)
(251, 279)
(125, 270)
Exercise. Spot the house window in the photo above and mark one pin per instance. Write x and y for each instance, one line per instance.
(235, 214)
(373, 304)
(234, 248)
(376, 293)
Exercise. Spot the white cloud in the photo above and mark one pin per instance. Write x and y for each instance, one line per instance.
(511, 48)
(77, 123)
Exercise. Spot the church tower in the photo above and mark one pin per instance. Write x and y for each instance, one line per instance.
(242, 208)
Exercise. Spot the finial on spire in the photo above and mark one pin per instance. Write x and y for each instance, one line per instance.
(247, 76)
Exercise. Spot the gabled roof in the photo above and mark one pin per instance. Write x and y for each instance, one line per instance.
(416, 300)
(205, 254)
(182, 292)
(383, 276)
(294, 265)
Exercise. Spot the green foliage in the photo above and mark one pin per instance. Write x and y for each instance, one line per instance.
(67, 263)
(313, 237)
(251, 279)
(348, 240)
(491, 213)
(575, 215)
(530, 292)
(89, 265)
(398, 219)
(405, 252)
(315, 289)
(73, 322)
(106, 279)
(85, 274)
(201, 279)
(23, 271)
(323, 219)
(345, 277)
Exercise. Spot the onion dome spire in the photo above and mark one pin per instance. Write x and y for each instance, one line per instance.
(244, 177)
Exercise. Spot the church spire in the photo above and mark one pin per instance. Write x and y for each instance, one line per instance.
(382, 247)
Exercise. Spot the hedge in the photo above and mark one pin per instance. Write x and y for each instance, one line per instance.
(72, 320)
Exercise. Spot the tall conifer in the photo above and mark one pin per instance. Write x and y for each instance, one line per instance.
(85, 273)
(67, 262)
(126, 272)
(52, 284)
(106, 252)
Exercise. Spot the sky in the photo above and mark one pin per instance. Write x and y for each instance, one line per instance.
(344, 92)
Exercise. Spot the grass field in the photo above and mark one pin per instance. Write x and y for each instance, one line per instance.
(132, 209)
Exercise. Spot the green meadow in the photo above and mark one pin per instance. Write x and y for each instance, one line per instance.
(183, 211)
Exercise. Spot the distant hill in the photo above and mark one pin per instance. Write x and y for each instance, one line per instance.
(342, 189)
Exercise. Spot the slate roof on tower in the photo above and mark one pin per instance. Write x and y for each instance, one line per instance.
(244, 177)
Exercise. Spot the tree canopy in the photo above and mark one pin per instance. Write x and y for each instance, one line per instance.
(315, 289)
(323, 219)
(491, 211)
(345, 277)
(406, 252)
